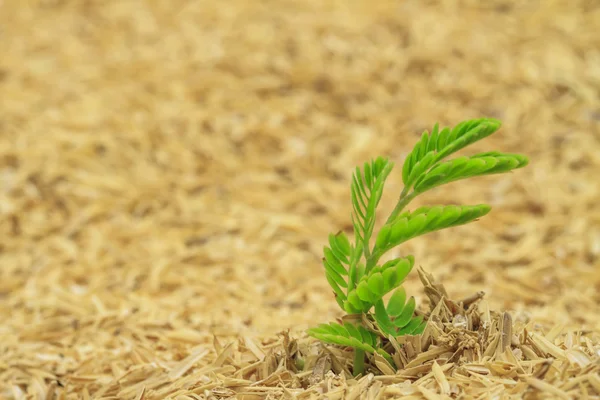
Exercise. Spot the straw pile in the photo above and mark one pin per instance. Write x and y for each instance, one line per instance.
(171, 169)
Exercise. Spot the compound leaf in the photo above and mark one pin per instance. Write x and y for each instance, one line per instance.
(467, 167)
(366, 191)
(425, 220)
(436, 146)
(378, 282)
(336, 261)
(345, 335)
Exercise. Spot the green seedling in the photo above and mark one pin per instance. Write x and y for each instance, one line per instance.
(353, 270)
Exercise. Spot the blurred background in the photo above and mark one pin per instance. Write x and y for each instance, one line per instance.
(175, 167)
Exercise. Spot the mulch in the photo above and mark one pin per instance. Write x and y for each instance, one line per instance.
(170, 171)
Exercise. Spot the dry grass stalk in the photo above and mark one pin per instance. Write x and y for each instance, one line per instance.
(170, 169)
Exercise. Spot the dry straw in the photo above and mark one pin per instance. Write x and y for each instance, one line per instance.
(171, 169)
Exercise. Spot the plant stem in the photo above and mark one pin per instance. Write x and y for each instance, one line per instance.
(372, 261)
(402, 202)
(366, 250)
(359, 362)
(405, 198)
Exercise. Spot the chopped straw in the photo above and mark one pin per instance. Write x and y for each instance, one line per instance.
(171, 169)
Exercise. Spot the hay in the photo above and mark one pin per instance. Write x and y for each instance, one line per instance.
(170, 170)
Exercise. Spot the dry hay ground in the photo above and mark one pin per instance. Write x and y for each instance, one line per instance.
(171, 169)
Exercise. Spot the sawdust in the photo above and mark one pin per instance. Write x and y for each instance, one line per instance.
(170, 171)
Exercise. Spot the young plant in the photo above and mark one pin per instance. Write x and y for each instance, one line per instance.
(353, 270)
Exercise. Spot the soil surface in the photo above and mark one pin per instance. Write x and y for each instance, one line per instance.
(170, 171)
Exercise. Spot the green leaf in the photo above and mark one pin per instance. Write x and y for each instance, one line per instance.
(414, 327)
(349, 308)
(345, 335)
(364, 293)
(419, 151)
(352, 330)
(366, 190)
(420, 167)
(339, 330)
(340, 300)
(405, 317)
(464, 134)
(425, 220)
(336, 261)
(419, 329)
(332, 262)
(354, 304)
(367, 337)
(341, 243)
(340, 253)
(378, 282)
(391, 277)
(334, 285)
(360, 272)
(467, 167)
(395, 271)
(334, 275)
(405, 324)
(354, 268)
(383, 320)
(436, 146)
(396, 302)
(383, 235)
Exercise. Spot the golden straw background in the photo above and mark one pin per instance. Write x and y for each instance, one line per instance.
(170, 171)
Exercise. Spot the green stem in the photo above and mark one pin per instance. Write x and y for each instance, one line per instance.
(359, 355)
(372, 261)
(366, 250)
(402, 202)
(359, 362)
